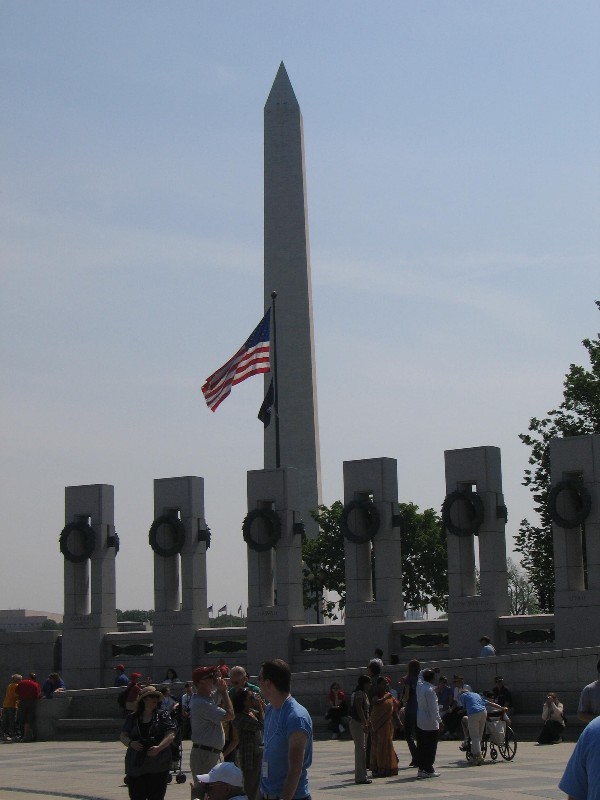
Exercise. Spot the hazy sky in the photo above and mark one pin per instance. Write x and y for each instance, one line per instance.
(453, 178)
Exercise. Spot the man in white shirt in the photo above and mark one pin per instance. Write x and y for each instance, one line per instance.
(428, 724)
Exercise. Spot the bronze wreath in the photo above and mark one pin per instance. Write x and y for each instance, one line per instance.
(583, 503)
(475, 511)
(89, 541)
(368, 509)
(177, 530)
(273, 526)
(204, 535)
(114, 541)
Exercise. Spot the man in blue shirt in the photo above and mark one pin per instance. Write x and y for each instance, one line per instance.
(581, 780)
(288, 737)
(121, 678)
(476, 707)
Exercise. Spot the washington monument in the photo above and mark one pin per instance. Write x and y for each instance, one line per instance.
(287, 271)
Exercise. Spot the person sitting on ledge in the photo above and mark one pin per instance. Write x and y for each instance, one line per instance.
(337, 709)
(53, 684)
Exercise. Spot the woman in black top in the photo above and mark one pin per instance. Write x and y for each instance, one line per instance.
(148, 734)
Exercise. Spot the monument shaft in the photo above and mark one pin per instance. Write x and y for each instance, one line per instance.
(287, 271)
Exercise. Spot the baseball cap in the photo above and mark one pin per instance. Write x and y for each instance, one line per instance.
(226, 772)
(121, 667)
(202, 673)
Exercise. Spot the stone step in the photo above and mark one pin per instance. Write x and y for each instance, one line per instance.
(91, 729)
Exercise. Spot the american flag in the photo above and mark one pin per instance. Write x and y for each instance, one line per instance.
(251, 359)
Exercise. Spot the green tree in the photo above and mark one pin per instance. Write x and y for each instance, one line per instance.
(50, 625)
(323, 559)
(579, 413)
(135, 615)
(424, 559)
(227, 621)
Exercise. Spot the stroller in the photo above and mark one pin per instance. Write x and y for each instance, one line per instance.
(177, 747)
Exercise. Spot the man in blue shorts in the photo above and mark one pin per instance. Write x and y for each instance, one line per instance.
(581, 780)
(288, 737)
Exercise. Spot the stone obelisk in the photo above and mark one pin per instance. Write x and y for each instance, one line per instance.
(287, 271)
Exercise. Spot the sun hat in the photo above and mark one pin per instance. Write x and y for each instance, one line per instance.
(226, 772)
(149, 691)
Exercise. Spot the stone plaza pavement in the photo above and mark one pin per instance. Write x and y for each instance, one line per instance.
(94, 771)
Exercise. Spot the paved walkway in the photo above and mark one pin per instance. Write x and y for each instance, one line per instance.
(94, 771)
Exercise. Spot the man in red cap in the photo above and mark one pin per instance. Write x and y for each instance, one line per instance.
(121, 678)
(133, 691)
(209, 707)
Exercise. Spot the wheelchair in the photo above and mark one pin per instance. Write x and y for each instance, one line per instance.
(507, 748)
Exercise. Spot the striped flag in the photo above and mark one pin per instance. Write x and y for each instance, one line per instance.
(223, 609)
(251, 359)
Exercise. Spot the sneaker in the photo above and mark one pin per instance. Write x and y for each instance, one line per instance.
(464, 746)
(433, 774)
(422, 774)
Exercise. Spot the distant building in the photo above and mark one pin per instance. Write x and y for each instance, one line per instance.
(24, 619)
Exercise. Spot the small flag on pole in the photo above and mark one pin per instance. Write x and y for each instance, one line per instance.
(252, 358)
(223, 609)
(264, 413)
(210, 609)
(239, 611)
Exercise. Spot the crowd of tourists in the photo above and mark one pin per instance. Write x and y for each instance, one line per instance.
(255, 740)
(247, 740)
(426, 707)
(19, 706)
(422, 709)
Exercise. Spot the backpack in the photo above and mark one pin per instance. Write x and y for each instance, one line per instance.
(122, 697)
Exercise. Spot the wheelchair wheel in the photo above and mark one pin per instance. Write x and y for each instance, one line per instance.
(508, 748)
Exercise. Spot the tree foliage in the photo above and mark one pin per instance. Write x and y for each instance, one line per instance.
(424, 559)
(323, 559)
(579, 413)
(135, 615)
(521, 592)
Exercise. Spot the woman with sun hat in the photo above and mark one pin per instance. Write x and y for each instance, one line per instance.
(148, 733)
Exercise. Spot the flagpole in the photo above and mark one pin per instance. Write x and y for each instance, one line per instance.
(275, 391)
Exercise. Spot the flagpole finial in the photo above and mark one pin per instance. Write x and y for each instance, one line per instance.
(273, 295)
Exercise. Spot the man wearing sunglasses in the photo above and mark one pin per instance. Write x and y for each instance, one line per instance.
(288, 736)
